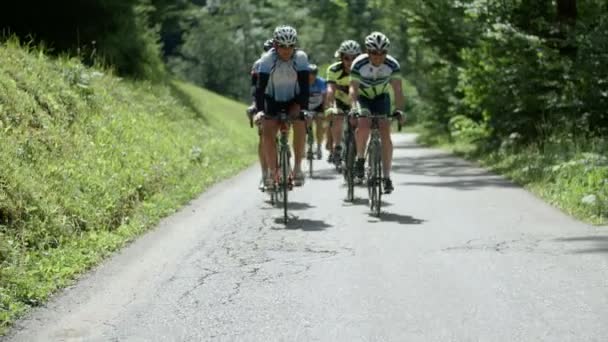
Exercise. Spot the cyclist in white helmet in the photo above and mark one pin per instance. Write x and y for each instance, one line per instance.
(371, 75)
(252, 110)
(283, 85)
(337, 101)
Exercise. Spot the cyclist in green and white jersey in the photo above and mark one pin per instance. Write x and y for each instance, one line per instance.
(337, 101)
(371, 75)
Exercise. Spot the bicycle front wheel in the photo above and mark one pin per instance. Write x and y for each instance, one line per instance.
(373, 179)
(285, 179)
(378, 184)
(349, 167)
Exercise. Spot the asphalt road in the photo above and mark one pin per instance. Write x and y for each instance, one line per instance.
(459, 255)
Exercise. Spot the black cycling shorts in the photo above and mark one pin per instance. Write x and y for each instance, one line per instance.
(273, 108)
(379, 105)
(345, 108)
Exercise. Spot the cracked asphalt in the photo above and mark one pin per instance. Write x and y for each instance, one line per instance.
(460, 254)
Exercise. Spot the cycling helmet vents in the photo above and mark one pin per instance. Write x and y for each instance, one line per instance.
(349, 47)
(377, 41)
(313, 68)
(285, 35)
(268, 45)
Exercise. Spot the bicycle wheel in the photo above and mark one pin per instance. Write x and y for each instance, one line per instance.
(373, 177)
(284, 180)
(310, 154)
(378, 182)
(350, 164)
(277, 191)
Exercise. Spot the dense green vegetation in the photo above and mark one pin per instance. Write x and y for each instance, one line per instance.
(89, 160)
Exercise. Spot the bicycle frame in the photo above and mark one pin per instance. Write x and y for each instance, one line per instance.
(350, 152)
(374, 157)
(310, 143)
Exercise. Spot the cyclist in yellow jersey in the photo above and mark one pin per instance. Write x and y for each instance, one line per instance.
(371, 75)
(337, 100)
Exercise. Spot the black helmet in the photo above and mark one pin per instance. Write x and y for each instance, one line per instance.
(268, 45)
(313, 68)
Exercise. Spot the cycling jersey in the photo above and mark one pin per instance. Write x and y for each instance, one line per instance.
(374, 80)
(317, 92)
(283, 81)
(254, 77)
(337, 76)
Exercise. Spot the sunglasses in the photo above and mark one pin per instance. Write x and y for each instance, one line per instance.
(377, 53)
(283, 46)
(348, 58)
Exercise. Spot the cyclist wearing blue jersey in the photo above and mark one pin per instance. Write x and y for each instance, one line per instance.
(283, 85)
(252, 110)
(316, 103)
(371, 75)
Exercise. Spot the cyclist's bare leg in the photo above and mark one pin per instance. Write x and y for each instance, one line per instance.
(336, 131)
(299, 136)
(362, 135)
(329, 141)
(269, 134)
(262, 158)
(387, 147)
(320, 129)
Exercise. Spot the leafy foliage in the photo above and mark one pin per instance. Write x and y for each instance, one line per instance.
(90, 160)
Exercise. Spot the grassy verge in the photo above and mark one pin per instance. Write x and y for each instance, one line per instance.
(89, 161)
(571, 175)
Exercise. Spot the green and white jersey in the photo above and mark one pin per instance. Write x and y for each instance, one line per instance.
(374, 80)
(340, 79)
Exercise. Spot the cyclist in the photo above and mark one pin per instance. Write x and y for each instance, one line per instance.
(371, 74)
(316, 101)
(338, 102)
(283, 85)
(252, 110)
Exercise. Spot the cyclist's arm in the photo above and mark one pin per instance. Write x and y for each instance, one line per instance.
(254, 82)
(353, 92)
(260, 89)
(302, 97)
(323, 104)
(330, 96)
(398, 91)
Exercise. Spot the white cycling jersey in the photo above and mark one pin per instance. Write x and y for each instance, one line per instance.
(283, 81)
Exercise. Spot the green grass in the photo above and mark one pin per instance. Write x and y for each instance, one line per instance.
(90, 161)
(569, 174)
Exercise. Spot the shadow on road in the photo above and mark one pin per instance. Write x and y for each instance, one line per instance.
(364, 202)
(397, 218)
(599, 244)
(465, 184)
(446, 165)
(299, 206)
(307, 225)
(407, 147)
(325, 174)
(290, 206)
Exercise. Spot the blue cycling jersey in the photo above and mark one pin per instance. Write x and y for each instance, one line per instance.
(317, 91)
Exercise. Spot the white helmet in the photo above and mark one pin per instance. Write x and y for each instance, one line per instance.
(285, 35)
(377, 41)
(349, 47)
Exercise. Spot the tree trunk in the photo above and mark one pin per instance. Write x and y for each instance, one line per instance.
(566, 12)
(566, 23)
